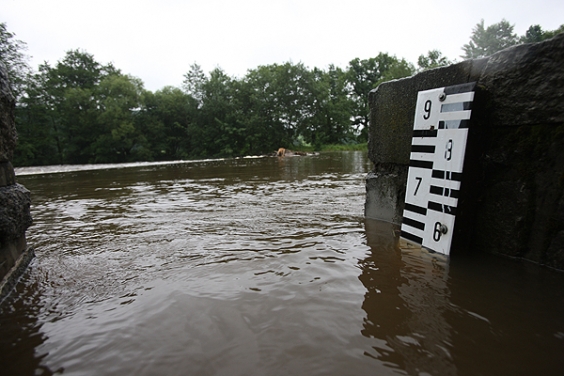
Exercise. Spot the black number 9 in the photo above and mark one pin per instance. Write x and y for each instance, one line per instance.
(427, 109)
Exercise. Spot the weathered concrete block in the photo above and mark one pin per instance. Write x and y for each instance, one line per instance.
(14, 258)
(383, 195)
(392, 109)
(7, 175)
(512, 190)
(15, 216)
(524, 84)
(521, 184)
(15, 200)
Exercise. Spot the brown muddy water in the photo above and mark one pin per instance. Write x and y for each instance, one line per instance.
(260, 266)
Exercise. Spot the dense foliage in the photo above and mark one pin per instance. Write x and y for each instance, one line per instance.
(80, 111)
(13, 57)
(485, 41)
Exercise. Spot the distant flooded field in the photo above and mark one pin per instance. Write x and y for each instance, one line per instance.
(258, 266)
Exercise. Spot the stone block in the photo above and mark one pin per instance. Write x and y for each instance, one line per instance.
(512, 195)
(392, 108)
(15, 255)
(15, 200)
(15, 216)
(384, 201)
(7, 175)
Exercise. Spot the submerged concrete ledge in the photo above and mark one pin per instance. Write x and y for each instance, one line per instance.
(20, 264)
(512, 199)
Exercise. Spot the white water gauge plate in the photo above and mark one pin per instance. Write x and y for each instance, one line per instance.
(440, 131)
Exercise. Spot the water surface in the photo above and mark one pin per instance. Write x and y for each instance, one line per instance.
(260, 266)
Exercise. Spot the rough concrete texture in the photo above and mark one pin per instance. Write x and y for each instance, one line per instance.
(15, 200)
(14, 263)
(7, 175)
(512, 191)
(392, 108)
(385, 192)
(15, 216)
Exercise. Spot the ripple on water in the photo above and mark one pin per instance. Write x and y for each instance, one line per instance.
(258, 266)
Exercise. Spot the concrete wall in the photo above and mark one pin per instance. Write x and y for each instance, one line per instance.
(512, 198)
(15, 200)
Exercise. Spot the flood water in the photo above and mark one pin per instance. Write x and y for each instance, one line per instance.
(261, 266)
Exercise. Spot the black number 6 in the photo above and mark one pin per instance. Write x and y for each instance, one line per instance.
(437, 232)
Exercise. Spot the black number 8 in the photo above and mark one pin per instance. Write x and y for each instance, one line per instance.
(427, 109)
(448, 151)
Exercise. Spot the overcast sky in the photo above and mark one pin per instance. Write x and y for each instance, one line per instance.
(157, 41)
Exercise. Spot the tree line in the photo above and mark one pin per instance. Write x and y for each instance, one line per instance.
(81, 111)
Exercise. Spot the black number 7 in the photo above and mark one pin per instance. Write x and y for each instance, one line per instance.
(418, 184)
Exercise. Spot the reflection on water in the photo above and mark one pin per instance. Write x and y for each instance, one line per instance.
(470, 314)
(405, 304)
(259, 266)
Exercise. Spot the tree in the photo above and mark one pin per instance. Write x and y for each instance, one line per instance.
(214, 130)
(38, 138)
(260, 110)
(553, 33)
(365, 75)
(329, 122)
(535, 34)
(194, 81)
(277, 103)
(433, 59)
(69, 107)
(71, 89)
(163, 122)
(118, 100)
(487, 41)
(14, 59)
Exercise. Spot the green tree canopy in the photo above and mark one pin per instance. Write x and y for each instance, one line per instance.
(193, 82)
(164, 121)
(553, 33)
(486, 41)
(365, 75)
(433, 59)
(14, 59)
(118, 99)
(535, 33)
(81, 111)
(78, 111)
